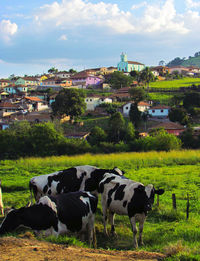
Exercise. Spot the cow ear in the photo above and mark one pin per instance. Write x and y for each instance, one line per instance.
(159, 191)
(141, 188)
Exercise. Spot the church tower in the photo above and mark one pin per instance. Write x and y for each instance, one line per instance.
(123, 57)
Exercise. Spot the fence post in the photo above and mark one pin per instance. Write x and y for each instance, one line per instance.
(188, 206)
(174, 201)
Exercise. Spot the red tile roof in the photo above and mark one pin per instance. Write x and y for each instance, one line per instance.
(33, 99)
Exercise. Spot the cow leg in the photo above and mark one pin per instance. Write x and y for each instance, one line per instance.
(104, 210)
(91, 231)
(141, 220)
(111, 219)
(134, 229)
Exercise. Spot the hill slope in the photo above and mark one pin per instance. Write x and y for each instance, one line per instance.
(192, 61)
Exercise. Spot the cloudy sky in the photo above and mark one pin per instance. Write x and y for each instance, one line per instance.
(36, 35)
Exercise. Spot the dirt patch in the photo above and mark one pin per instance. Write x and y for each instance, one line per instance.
(22, 249)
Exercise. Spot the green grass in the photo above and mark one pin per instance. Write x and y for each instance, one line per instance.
(162, 98)
(165, 230)
(185, 82)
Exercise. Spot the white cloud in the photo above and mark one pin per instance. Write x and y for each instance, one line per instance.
(63, 37)
(163, 19)
(140, 5)
(7, 29)
(192, 4)
(68, 14)
(71, 13)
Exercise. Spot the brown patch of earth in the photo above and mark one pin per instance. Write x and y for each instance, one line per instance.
(22, 249)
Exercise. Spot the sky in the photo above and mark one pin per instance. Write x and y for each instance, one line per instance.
(79, 34)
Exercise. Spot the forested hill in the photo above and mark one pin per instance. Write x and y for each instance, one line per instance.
(190, 61)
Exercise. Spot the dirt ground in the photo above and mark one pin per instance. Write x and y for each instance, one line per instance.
(22, 249)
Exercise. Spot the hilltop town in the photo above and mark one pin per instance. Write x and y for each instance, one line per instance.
(107, 90)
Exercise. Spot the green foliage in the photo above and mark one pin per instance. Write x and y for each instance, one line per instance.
(179, 115)
(135, 114)
(119, 80)
(96, 136)
(189, 140)
(138, 94)
(191, 99)
(69, 102)
(129, 133)
(159, 140)
(116, 127)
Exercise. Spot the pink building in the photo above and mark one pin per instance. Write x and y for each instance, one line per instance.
(86, 77)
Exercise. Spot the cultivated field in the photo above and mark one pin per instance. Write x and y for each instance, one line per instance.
(166, 230)
(175, 83)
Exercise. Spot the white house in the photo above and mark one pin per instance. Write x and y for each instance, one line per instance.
(159, 111)
(93, 101)
(142, 106)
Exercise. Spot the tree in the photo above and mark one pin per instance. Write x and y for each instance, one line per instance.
(161, 63)
(52, 70)
(191, 99)
(69, 102)
(116, 127)
(72, 70)
(137, 94)
(179, 115)
(96, 136)
(129, 133)
(119, 79)
(147, 76)
(134, 114)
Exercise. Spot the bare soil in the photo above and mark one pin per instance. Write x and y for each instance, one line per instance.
(22, 249)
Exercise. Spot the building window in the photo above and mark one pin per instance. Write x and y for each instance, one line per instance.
(153, 111)
(161, 110)
(90, 99)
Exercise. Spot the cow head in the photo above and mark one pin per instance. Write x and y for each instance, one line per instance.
(151, 191)
(11, 221)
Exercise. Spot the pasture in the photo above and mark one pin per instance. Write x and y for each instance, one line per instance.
(166, 230)
(185, 82)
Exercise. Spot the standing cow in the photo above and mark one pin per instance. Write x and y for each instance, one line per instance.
(1, 201)
(126, 197)
(71, 212)
(85, 178)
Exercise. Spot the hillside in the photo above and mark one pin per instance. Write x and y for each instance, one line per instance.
(191, 61)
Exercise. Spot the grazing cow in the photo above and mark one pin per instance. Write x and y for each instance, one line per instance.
(85, 178)
(71, 212)
(1, 201)
(126, 197)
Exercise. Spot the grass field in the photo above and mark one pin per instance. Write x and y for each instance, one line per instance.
(165, 230)
(175, 83)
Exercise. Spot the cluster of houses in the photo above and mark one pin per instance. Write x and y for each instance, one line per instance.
(19, 102)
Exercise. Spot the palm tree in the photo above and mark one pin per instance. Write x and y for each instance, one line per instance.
(147, 76)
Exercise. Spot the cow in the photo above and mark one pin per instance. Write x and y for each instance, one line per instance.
(71, 212)
(80, 178)
(1, 201)
(126, 197)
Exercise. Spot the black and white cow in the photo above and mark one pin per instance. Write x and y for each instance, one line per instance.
(1, 201)
(71, 212)
(126, 197)
(80, 178)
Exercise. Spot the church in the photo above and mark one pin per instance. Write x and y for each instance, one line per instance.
(127, 66)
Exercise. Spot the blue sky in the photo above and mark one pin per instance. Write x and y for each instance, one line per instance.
(36, 35)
